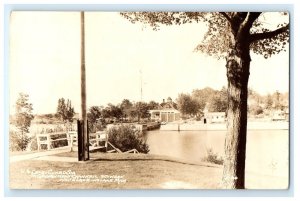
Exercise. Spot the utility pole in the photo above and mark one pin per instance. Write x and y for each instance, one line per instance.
(83, 139)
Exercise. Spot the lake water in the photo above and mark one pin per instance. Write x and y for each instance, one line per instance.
(267, 150)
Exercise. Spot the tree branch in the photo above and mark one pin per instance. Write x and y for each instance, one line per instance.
(270, 34)
(248, 21)
(252, 17)
(226, 16)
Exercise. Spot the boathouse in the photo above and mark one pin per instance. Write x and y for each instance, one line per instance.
(165, 115)
(167, 112)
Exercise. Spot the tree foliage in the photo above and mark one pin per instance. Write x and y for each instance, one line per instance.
(19, 140)
(265, 40)
(256, 109)
(94, 114)
(65, 110)
(23, 113)
(269, 102)
(187, 105)
(203, 96)
(219, 101)
(152, 105)
(142, 109)
(94, 119)
(114, 111)
(126, 104)
(214, 100)
(126, 107)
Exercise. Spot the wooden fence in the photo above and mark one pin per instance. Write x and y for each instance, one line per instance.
(49, 139)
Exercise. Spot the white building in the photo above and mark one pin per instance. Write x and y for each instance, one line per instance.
(279, 115)
(215, 117)
(165, 115)
(167, 112)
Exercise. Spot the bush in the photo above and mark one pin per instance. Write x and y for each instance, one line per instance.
(126, 138)
(97, 126)
(18, 141)
(213, 157)
(33, 146)
(198, 118)
(256, 110)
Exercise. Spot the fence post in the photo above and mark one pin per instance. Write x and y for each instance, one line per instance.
(38, 142)
(49, 141)
(70, 141)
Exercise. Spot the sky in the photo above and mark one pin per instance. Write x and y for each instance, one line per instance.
(120, 58)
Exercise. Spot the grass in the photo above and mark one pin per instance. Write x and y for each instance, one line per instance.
(18, 153)
(213, 157)
(99, 156)
(139, 170)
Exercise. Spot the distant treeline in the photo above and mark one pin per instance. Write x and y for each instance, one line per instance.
(193, 104)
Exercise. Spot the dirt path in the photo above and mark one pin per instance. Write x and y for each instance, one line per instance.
(31, 156)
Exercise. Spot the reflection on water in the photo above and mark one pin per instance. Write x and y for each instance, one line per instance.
(267, 150)
(188, 145)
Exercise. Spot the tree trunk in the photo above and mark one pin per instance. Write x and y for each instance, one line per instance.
(237, 63)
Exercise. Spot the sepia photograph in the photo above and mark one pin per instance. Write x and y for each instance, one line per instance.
(149, 100)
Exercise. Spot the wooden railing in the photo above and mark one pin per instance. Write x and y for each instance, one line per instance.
(48, 139)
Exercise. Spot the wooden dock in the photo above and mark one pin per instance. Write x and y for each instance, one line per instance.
(153, 125)
(138, 126)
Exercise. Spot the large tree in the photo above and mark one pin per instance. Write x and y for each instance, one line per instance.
(152, 105)
(142, 110)
(218, 101)
(269, 102)
(126, 107)
(230, 35)
(65, 110)
(93, 116)
(203, 96)
(187, 105)
(114, 111)
(22, 121)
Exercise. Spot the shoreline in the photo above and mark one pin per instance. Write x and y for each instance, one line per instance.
(198, 126)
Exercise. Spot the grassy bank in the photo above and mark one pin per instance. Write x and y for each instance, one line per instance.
(127, 171)
(117, 171)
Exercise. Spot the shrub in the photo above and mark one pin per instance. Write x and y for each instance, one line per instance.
(213, 157)
(33, 144)
(198, 118)
(97, 126)
(126, 138)
(256, 110)
(18, 141)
